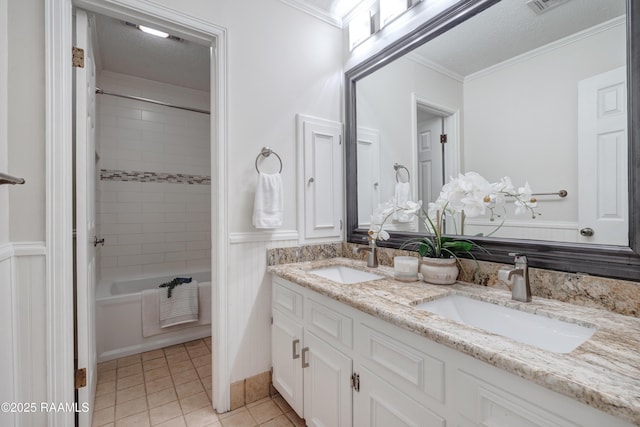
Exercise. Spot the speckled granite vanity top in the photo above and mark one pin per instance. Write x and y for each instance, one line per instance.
(603, 372)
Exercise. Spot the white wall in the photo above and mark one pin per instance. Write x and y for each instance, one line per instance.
(152, 227)
(4, 151)
(384, 103)
(534, 144)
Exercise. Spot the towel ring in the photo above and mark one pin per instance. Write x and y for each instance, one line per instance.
(266, 152)
(397, 168)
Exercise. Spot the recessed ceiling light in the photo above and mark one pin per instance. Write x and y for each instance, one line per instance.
(153, 31)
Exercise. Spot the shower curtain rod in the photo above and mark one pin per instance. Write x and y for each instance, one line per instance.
(152, 101)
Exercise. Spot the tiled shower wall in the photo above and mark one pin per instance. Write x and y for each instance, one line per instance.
(154, 190)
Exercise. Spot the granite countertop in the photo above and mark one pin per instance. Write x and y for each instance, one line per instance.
(603, 372)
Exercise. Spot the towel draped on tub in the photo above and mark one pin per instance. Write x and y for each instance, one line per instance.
(152, 309)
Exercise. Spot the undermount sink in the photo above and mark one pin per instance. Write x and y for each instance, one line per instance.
(344, 275)
(528, 328)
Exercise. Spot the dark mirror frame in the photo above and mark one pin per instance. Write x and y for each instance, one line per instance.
(600, 260)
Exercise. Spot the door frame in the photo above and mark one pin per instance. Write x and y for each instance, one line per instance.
(453, 163)
(59, 209)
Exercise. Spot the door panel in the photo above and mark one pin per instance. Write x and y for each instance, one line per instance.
(286, 338)
(602, 158)
(85, 181)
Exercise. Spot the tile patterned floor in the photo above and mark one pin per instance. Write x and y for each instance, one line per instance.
(171, 387)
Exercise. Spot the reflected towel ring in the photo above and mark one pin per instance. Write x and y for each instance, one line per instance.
(397, 168)
(266, 152)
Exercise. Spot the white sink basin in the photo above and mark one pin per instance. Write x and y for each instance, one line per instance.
(537, 330)
(344, 275)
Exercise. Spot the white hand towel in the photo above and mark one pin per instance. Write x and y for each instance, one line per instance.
(403, 195)
(268, 202)
(182, 307)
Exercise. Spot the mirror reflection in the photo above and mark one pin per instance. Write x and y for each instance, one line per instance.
(538, 96)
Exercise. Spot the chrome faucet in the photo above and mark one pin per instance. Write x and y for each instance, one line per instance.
(372, 258)
(519, 278)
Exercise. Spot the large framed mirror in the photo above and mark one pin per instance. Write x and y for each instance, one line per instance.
(519, 93)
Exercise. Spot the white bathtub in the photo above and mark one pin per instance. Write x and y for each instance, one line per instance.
(119, 316)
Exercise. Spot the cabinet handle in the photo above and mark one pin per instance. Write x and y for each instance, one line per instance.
(305, 364)
(294, 346)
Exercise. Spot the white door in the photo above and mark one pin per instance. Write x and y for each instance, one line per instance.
(368, 157)
(323, 177)
(602, 159)
(327, 384)
(286, 345)
(85, 181)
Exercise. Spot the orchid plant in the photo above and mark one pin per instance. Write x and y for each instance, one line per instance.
(468, 195)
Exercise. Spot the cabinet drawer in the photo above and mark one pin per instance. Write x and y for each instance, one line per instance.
(404, 366)
(286, 300)
(334, 327)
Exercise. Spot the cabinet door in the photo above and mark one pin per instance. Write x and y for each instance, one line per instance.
(379, 404)
(327, 384)
(322, 175)
(286, 344)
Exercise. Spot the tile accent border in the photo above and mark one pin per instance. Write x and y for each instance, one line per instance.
(138, 176)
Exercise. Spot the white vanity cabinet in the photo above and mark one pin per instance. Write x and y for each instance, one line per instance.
(364, 371)
(311, 370)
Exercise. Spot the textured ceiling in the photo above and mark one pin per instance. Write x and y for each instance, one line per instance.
(125, 49)
(511, 28)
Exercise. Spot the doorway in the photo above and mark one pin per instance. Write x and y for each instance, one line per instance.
(59, 160)
(436, 148)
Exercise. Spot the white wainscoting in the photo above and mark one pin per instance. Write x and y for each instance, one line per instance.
(249, 300)
(23, 338)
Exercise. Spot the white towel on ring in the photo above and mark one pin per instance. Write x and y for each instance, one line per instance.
(403, 195)
(268, 202)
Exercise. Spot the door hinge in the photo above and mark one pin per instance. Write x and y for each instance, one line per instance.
(355, 381)
(81, 378)
(77, 57)
(443, 138)
(272, 320)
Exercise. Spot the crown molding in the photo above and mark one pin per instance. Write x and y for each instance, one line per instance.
(315, 12)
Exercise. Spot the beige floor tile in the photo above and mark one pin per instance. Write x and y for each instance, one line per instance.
(198, 351)
(129, 370)
(130, 381)
(130, 393)
(189, 389)
(204, 371)
(194, 343)
(195, 402)
(178, 348)
(205, 417)
(265, 411)
(184, 376)
(131, 407)
(137, 420)
(129, 360)
(180, 366)
(153, 354)
(154, 374)
(295, 419)
(207, 383)
(175, 422)
(280, 421)
(165, 412)
(105, 388)
(155, 364)
(107, 376)
(162, 397)
(202, 360)
(240, 419)
(104, 401)
(111, 365)
(284, 406)
(259, 402)
(177, 357)
(104, 416)
(154, 386)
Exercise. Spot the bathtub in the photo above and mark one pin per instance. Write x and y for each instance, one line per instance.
(119, 316)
